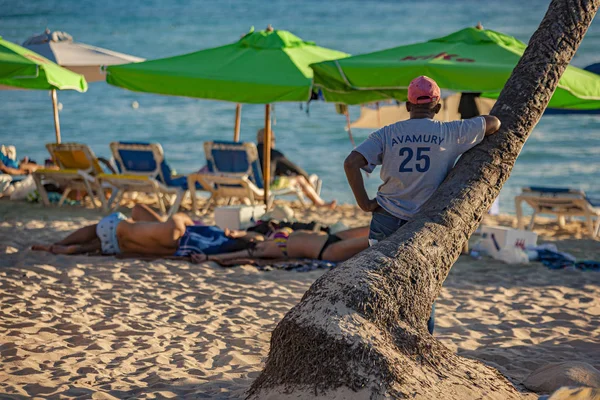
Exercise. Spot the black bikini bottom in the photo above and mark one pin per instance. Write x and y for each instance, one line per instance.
(331, 239)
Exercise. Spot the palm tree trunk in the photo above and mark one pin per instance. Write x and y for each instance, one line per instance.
(362, 326)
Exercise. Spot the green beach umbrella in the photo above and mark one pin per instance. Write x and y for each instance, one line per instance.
(21, 68)
(262, 67)
(469, 60)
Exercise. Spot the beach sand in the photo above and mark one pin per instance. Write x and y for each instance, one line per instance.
(99, 327)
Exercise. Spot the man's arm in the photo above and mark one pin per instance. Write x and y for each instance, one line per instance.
(284, 164)
(492, 124)
(12, 171)
(237, 234)
(266, 249)
(352, 165)
(287, 165)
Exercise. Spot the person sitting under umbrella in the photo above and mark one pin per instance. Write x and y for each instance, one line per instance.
(10, 166)
(290, 173)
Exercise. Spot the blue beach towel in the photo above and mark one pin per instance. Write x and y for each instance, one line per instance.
(555, 260)
(207, 240)
(10, 163)
(303, 265)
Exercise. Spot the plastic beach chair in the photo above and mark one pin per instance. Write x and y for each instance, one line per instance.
(78, 169)
(562, 202)
(143, 168)
(233, 173)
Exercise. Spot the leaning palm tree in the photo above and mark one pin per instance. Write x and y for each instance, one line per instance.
(362, 326)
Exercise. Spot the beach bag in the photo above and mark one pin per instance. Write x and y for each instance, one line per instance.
(279, 213)
(5, 181)
(511, 255)
(9, 156)
(23, 189)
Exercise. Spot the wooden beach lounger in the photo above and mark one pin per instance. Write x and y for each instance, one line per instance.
(143, 168)
(78, 169)
(234, 172)
(562, 202)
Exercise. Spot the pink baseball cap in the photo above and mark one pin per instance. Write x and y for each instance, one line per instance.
(423, 90)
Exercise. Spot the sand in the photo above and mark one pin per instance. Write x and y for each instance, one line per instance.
(99, 327)
(552, 377)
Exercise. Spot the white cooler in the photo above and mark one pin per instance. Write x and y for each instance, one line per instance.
(505, 237)
(238, 217)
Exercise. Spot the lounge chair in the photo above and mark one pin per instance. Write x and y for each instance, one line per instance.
(233, 173)
(78, 169)
(562, 202)
(143, 168)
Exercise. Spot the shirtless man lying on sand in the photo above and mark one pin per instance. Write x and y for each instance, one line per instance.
(146, 234)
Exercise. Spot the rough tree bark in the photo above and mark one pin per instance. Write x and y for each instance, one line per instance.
(360, 330)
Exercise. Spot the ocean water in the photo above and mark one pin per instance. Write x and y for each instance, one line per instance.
(562, 151)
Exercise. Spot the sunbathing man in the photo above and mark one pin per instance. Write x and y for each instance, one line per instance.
(286, 243)
(290, 173)
(12, 167)
(146, 234)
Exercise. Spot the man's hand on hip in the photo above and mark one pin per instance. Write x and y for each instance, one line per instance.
(371, 205)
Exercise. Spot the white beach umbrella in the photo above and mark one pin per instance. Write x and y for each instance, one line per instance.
(78, 57)
(81, 58)
(375, 117)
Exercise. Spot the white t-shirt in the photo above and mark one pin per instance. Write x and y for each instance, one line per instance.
(415, 156)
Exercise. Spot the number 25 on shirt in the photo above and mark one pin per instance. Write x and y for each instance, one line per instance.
(420, 163)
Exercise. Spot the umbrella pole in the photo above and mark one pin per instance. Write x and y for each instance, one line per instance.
(378, 115)
(350, 134)
(267, 154)
(446, 116)
(238, 120)
(349, 129)
(56, 120)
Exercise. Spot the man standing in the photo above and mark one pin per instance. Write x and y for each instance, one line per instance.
(415, 156)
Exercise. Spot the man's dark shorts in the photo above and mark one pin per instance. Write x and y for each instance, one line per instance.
(383, 225)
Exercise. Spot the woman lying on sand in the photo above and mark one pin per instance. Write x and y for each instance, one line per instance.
(286, 243)
(146, 234)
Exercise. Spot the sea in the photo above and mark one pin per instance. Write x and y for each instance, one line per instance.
(563, 150)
